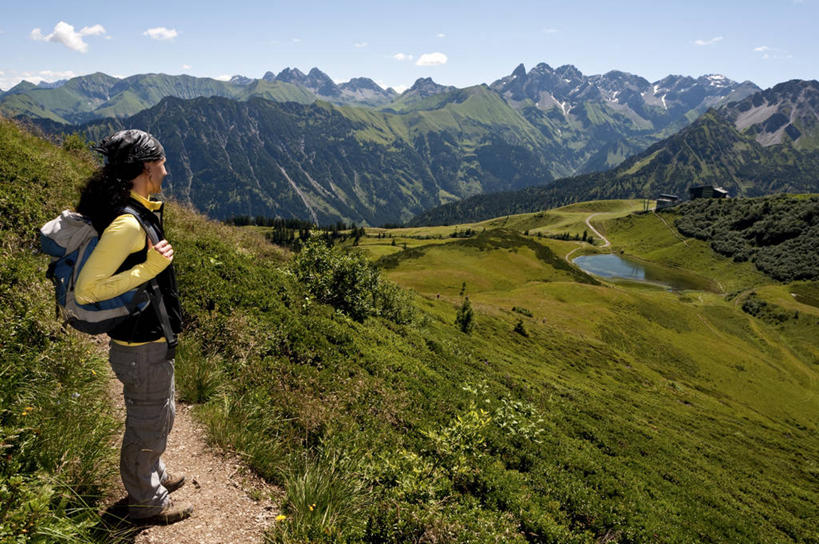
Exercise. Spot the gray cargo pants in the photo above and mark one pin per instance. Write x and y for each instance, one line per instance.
(148, 387)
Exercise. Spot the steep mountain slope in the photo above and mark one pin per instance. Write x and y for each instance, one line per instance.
(360, 90)
(324, 163)
(96, 96)
(605, 118)
(710, 151)
(786, 113)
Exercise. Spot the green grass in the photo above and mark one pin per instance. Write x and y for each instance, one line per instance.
(653, 237)
(56, 427)
(627, 415)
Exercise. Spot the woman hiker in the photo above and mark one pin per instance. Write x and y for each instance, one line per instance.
(140, 354)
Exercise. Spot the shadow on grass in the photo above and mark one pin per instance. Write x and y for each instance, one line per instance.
(115, 527)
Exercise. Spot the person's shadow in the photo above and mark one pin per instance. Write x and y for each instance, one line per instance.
(114, 526)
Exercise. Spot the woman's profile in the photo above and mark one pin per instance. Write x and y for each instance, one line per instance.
(140, 354)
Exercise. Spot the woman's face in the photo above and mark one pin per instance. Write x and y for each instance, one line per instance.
(156, 173)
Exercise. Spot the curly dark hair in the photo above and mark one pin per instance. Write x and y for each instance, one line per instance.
(106, 191)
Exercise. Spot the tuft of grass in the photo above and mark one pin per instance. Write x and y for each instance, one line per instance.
(324, 497)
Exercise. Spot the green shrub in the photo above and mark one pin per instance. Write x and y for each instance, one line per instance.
(522, 310)
(779, 234)
(350, 283)
(465, 318)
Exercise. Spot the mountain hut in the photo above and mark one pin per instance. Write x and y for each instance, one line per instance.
(707, 191)
(666, 201)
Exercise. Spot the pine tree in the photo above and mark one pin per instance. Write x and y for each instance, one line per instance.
(465, 318)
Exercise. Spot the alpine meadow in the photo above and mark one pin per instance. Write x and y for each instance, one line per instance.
(427, 288)
(574, 411)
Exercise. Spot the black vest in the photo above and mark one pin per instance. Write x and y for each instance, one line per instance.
(145, 327)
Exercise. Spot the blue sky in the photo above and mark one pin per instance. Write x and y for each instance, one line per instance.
(455, 42)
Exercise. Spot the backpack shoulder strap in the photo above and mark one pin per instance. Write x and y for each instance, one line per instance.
(146, 226)
(153, 286)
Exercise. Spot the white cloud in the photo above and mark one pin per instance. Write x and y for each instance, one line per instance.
(777, 56)
(772, 53)
(431, 59)
(12, 78)
(161, 33)
(712, 41)
(50, 75)
(398, 88)
(186, 66)
(360, 44)
(550, 30)
(223, 77)
(402, 57)
(296, 40)
(440, 35)
(65, 34)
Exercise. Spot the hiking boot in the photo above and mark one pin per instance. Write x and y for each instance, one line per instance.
(170, 513)
(172, 482)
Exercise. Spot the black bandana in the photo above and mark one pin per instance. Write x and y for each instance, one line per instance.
(131, 146)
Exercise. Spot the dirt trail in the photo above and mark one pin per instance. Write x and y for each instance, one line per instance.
(606, 242)
(580, 245)
(218, 484)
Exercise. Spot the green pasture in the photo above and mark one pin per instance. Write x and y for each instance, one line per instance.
(653, 237)
(574, 412)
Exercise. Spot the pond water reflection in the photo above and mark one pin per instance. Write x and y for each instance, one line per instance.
(617, 267)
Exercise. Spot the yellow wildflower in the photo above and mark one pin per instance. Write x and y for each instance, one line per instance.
(281, 517)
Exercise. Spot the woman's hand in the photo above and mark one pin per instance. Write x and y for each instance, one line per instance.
(163, 247)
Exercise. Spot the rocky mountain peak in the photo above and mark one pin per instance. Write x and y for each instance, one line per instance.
(320, 83)
(568, 71)
(426, 87)
(362, 83)
(241, 80)
(787, 112)
(541, 68)
(520, 71)
(292, 75)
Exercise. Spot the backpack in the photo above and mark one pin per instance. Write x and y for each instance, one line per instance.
(70, 239)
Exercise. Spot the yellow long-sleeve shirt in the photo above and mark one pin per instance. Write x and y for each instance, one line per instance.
(98, 281)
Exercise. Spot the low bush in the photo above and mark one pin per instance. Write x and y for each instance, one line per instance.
(350, 283)
(779, 234)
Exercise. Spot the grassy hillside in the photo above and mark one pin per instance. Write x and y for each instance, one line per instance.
(55, 424)
(574, 412)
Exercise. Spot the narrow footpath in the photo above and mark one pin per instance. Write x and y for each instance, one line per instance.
(231, 504)
(596, 232)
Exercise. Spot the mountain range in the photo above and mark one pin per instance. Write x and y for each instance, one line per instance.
(300, 145)
(766, 143)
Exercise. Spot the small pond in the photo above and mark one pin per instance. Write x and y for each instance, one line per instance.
(616, 267)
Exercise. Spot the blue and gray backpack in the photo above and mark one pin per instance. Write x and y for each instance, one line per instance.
(70, 239)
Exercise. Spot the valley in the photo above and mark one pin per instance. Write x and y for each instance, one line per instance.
(576, 409)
